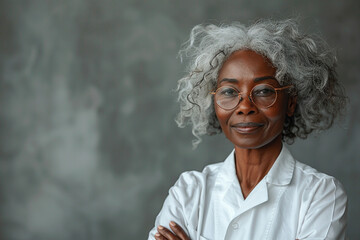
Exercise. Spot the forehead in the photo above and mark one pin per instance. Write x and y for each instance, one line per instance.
(246, 64)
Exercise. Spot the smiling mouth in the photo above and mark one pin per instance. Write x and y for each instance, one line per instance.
(248, 127)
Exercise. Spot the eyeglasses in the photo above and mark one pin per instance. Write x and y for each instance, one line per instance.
(262, 95)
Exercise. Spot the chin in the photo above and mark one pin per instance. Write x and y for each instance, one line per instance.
(249, 142)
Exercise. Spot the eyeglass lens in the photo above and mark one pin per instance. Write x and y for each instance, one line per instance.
(262, 95)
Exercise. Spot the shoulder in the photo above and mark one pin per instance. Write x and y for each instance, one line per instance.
(319, 190)
(192, 182)
(311, 178)
(189, 178)
(323, 204)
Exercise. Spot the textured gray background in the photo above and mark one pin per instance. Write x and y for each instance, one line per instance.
(88, 145)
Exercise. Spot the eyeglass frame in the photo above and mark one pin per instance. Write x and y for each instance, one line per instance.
(250, 96)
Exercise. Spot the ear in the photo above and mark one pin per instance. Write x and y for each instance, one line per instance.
(292, 101)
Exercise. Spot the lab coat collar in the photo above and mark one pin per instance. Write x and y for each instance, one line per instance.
(228, 191)
(280, 173)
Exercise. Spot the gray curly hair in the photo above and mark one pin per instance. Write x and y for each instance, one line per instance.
(306, 62)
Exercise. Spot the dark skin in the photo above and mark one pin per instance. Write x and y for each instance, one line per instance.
(164, 233)
(258, 145)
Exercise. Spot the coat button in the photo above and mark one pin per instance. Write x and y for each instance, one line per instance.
(235, 226)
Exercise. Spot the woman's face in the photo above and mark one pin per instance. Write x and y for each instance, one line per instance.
(248, 126)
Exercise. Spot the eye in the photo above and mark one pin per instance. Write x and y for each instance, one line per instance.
(227, 92)
(263, 91)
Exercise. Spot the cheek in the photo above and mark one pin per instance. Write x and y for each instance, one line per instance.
(222, 115)
(276, 117)
(278, 110)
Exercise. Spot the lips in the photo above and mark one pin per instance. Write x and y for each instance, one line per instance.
(247, 127)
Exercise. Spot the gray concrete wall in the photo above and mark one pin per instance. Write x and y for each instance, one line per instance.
(88, 144)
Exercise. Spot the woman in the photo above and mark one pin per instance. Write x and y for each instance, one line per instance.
(261, 86)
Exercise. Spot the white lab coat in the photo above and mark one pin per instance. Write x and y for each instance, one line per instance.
(293, 201)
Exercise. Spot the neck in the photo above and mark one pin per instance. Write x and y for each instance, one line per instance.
(253, 164)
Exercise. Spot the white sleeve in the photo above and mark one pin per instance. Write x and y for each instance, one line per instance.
(182, 203)
(326, 215)
(172, 210)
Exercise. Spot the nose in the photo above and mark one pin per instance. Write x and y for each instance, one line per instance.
(246, 106)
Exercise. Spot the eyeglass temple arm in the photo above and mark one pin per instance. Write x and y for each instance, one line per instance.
(282, 88)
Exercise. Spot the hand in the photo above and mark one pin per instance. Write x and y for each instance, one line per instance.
(165, 234)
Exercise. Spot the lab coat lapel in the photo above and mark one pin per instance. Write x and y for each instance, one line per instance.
(228, 191)
(257, 196)
(227, 195)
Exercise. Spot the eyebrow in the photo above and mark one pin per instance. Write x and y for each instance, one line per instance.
(230, 80)
(264, 78)
(233, 80)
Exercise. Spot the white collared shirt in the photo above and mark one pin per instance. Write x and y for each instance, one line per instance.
(293, 201)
